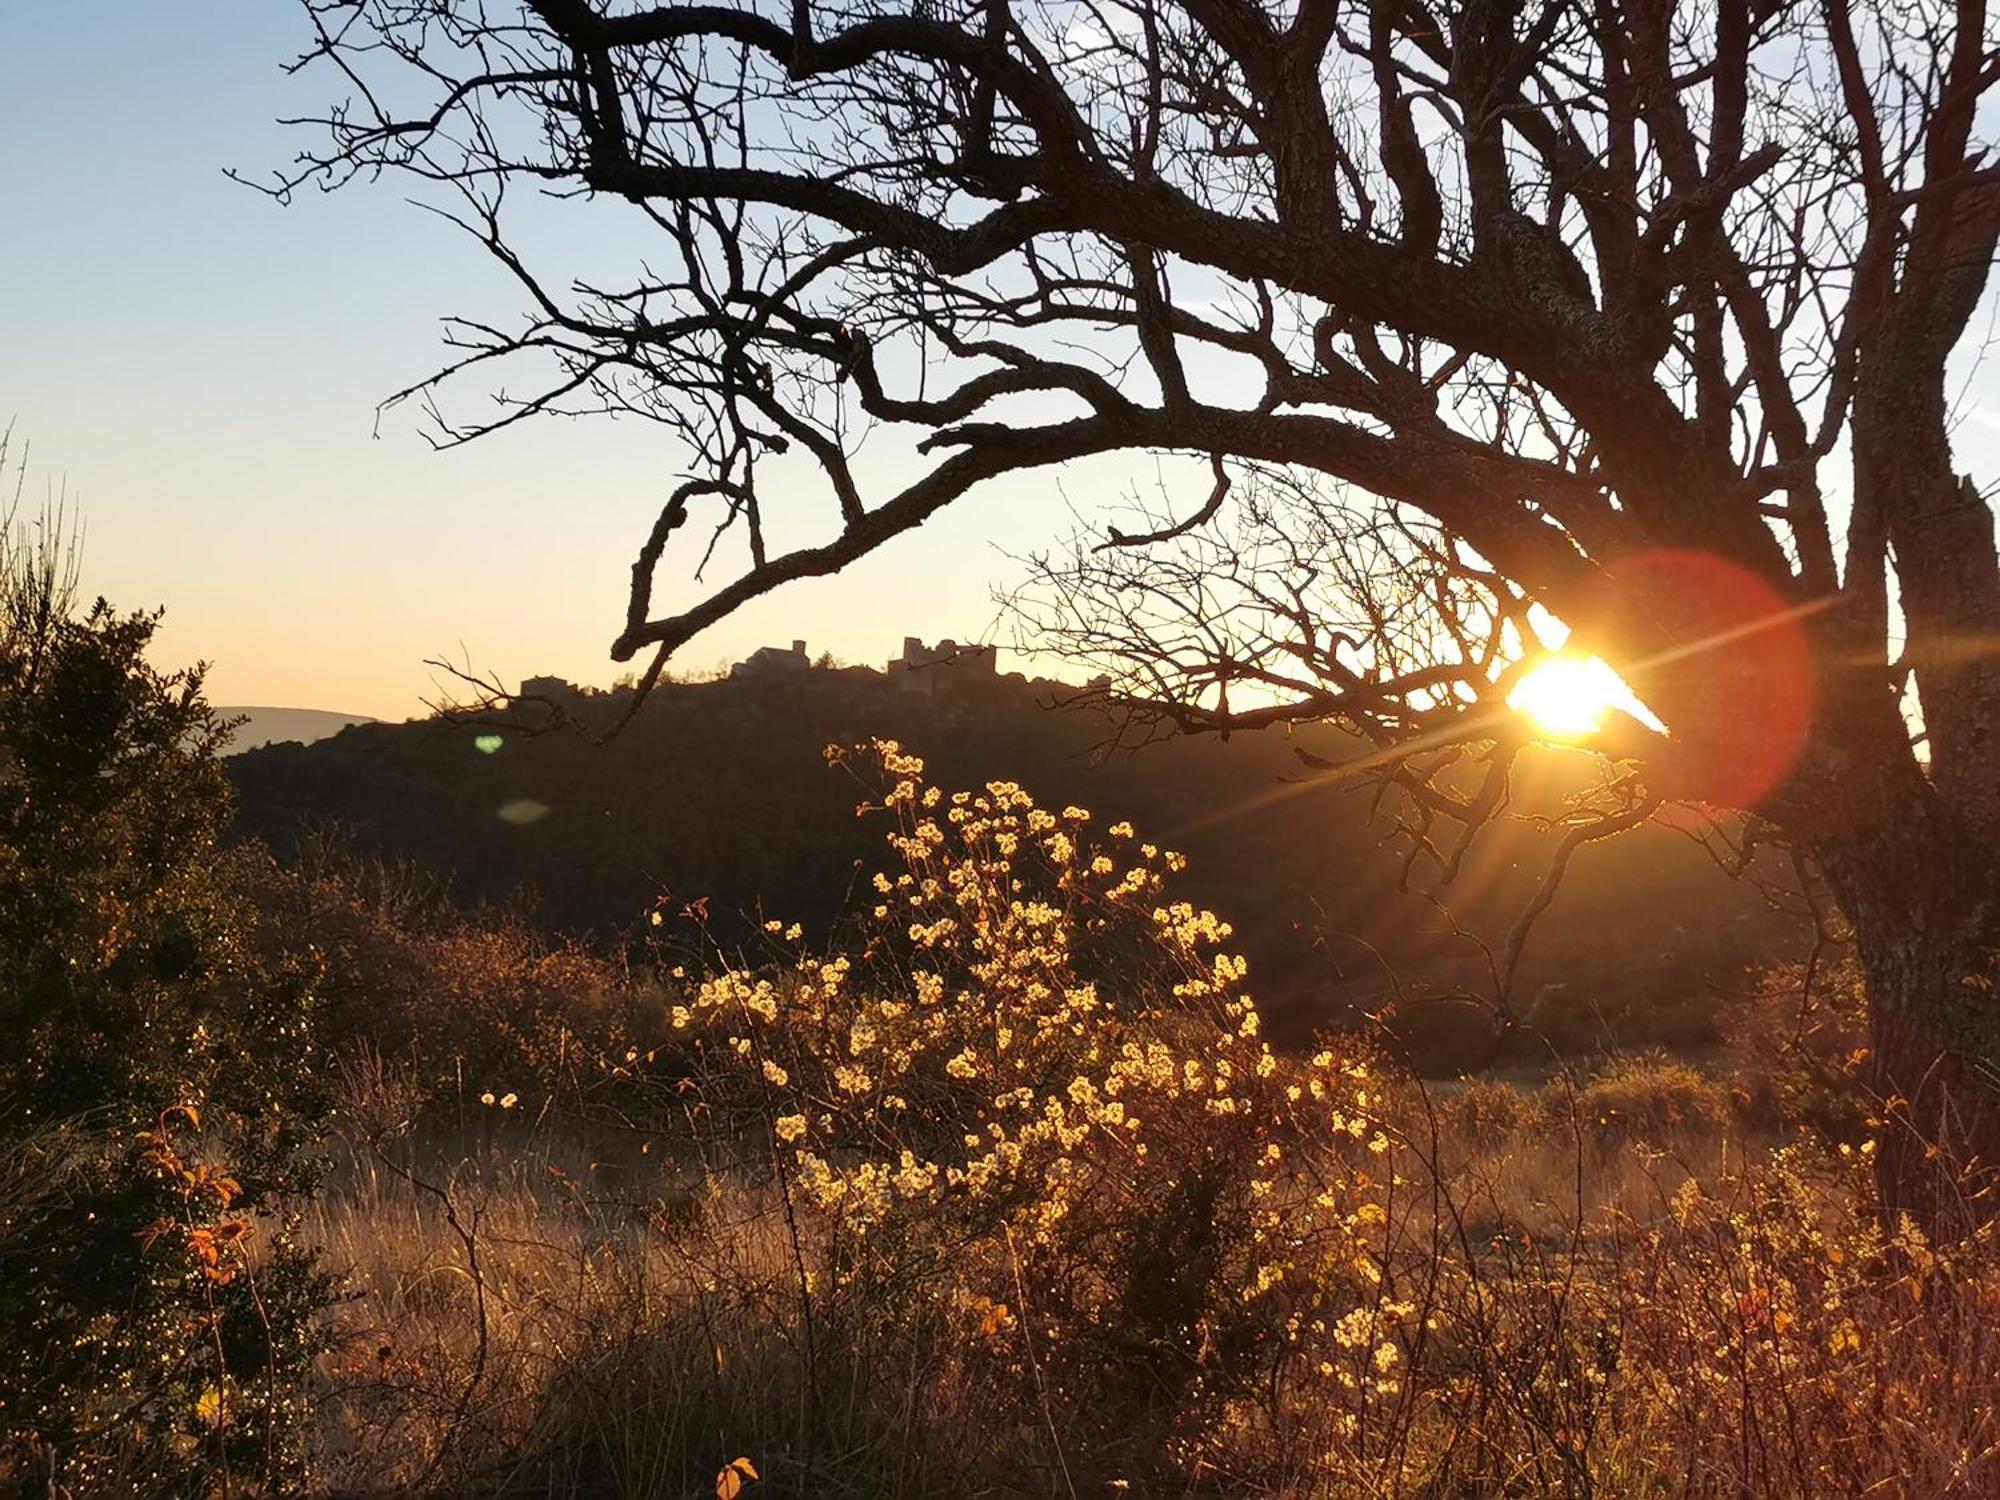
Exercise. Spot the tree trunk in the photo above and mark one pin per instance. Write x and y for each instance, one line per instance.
(1920, 887)
(1926, 934)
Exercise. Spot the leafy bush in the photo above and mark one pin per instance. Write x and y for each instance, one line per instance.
(1034, 1109)
(155, 1309)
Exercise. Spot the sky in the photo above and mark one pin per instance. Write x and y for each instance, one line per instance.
(198, 368)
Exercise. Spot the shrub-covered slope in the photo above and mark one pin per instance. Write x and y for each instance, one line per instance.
(719, 791)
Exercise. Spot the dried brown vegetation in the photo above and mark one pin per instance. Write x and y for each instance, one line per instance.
(1015, 1200)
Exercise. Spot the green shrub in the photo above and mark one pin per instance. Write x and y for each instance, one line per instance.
(155, 1310)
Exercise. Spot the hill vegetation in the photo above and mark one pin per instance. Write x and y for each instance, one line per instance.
(317, 1183)
(1010, 1193)
(717, 793)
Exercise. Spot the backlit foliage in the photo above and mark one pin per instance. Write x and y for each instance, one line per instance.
(156, 1086)
(1036, 1099)
(1003, 1192)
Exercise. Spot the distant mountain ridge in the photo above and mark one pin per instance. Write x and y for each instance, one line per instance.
(278, 726)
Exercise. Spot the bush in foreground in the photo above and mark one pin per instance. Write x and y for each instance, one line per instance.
(157, 1316)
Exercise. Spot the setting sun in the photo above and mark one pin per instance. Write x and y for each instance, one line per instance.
(1569, 696)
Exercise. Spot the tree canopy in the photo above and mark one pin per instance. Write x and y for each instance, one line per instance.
(1631, 314)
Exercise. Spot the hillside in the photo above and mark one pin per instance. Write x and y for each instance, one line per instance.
(719, 791)
(272, 726)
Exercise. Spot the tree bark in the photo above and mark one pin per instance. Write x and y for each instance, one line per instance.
(1924, 907)
(1936, 1063)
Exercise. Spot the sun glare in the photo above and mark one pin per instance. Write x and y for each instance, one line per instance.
(1567, 696)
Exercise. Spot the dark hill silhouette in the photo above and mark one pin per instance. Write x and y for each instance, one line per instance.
(719, 790)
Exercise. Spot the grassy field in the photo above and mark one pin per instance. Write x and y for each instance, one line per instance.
(1645, 1303)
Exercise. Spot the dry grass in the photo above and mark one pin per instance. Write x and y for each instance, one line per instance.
(1680, 1317)
(527, 1319)
(1020, 1203)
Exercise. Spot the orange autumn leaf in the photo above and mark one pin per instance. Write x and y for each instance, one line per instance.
(735, 1474)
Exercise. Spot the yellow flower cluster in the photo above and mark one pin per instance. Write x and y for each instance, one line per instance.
(1038, 1049)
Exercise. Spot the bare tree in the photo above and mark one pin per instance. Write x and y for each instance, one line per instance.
(1631, 312)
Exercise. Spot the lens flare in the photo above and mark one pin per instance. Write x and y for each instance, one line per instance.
(1726, 656)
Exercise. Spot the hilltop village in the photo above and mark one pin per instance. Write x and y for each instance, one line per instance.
(946, 672)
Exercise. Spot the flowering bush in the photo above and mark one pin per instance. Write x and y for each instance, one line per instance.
(1037, 1100)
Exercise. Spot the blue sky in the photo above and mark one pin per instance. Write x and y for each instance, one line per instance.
(200, 367)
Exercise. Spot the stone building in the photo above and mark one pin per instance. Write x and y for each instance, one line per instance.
(773, 661)
(931, 669)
